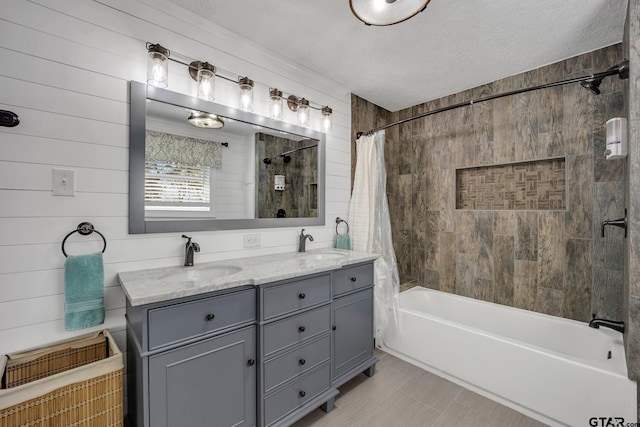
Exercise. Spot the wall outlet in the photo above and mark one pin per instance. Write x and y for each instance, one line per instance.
(250, 240)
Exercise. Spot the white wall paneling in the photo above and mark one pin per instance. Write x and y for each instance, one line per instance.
(65, 71)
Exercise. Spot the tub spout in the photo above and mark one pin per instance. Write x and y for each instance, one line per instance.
(622, 223)
(613, 324)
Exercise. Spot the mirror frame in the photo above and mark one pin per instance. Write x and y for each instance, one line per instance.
(138, 224)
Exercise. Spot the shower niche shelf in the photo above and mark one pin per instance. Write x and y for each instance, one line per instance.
(531, 185)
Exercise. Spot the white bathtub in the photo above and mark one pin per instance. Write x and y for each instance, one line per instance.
(552, 369)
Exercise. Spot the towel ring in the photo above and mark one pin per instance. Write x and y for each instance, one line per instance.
(338, 221)
(84, 228)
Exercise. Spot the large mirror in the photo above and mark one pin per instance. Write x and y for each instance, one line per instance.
(196, 165)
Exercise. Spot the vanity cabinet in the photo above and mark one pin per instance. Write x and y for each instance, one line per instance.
(250, 355)
(352, 320)
(192, 361)
(295, 349)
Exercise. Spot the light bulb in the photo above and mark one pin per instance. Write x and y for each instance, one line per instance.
(275, 104)
(246, 93)
(206, 84)
(327, 114)
(157, 65)
(303, 112)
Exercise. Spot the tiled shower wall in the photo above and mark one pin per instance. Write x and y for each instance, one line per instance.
(550, 261)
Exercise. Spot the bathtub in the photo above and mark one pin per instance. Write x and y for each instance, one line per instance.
(555, 370)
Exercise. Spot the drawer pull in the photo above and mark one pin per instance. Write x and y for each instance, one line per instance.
(302, 362)
(353, 279)
(301, 295)
(210, 317)
(334, 327)
(251, 362)
(302, 393)
(301, 329)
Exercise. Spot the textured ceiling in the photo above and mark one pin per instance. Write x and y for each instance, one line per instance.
(453, 45)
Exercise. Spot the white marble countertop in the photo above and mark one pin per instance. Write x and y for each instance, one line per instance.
(162, 284)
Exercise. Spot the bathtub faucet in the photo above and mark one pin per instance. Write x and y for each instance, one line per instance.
(613, 324)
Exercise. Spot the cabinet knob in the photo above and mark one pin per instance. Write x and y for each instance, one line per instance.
(210, 317)
(353, 279)
(302, 329)
(302, 393)
(301, 295)
(302, 362)
(334, 327)
(251, 362)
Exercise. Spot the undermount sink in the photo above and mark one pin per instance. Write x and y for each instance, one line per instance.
(202, 274)
(326, 255)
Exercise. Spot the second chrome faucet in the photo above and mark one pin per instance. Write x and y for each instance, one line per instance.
(302, 243)
(189, 250)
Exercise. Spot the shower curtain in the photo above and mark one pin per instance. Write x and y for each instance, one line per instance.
(371, 229)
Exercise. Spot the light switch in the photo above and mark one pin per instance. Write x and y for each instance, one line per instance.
(64, 182)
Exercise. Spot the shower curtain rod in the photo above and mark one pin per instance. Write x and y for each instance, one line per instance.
(590, 82)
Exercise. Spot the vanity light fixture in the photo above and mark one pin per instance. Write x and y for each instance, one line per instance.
(327, 124)
(275, 104)
(246, 93)
(386, 12)
(303, 112)
(302, 107)
(205, 120)
(157, 65)
(205, 74)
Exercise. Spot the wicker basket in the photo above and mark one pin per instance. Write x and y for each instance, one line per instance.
(76, 382)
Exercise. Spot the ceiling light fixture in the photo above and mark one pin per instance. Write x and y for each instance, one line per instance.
(386, 12)
(205, 120)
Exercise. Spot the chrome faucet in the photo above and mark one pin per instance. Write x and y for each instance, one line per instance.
(303, 241)
(613, 324)
(189, 249)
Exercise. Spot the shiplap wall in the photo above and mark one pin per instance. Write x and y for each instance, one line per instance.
(64, 70)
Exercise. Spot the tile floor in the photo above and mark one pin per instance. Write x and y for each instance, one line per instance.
(400, 394)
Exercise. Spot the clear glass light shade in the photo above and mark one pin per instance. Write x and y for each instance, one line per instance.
(206, 84)
(275, 104)
(158, 69)
(327, 121)
(386, 12)
(303, 112)
(246, 94)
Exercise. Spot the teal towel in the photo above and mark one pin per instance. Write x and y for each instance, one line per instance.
(83, 291)
(343, 241)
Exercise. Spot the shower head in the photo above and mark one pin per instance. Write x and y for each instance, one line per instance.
(592, 85)
(267, 161)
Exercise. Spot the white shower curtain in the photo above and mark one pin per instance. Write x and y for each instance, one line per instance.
(371, 228)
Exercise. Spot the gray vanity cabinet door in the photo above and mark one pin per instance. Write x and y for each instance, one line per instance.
(352, 330)
(208, 383)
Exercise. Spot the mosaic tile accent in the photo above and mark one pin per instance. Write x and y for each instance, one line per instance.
(538, 185)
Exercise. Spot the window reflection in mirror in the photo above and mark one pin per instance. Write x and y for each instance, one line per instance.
(240, 175)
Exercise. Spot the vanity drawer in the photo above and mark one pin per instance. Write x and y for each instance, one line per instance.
(279, 370)
(295, 329)
(289, 297)
(351, 278)
(186, 320)
(297, 394)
